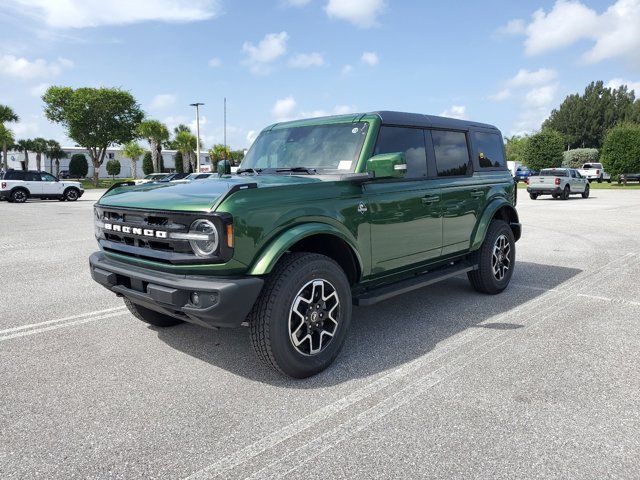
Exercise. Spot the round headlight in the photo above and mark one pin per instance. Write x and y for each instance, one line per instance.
(204, 248)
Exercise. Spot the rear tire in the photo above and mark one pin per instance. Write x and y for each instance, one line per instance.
(18, 196)
(151, 317)
(496, 259)
(566, 192)
(585, 194)
(304, 292)
(533, 196)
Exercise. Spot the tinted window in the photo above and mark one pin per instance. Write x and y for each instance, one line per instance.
(452, 154)
(409, 141)
(32, 177)
(552, 172)
(490, 151)
(47, 177)
(14, 176)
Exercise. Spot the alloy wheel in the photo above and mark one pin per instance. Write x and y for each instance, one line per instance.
(314, 317)
(501, 258)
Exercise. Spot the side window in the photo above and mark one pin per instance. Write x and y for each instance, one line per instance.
(452, 154)
(409, 141)
(490, 150)
(46, 177)
(32, 177)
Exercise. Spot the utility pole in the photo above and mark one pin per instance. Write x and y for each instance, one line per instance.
(197, 105)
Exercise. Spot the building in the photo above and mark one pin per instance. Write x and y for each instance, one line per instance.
(126, 168)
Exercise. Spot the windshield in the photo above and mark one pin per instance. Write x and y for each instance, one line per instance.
(155, 175)
(551, 172)
(588, 166)
(323, 147)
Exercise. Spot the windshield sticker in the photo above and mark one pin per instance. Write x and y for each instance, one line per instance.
(355, 130)
(344, 165)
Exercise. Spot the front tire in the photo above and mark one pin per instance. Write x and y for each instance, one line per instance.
(71, 195)
(533, 196)
(585, 194)
(151, 317)
(496, 259)
(300, 320)
(566, 192)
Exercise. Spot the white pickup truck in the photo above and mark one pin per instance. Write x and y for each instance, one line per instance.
(18, 185)
(594, 171)
(559, 183)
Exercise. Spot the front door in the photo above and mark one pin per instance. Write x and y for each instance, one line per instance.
(405, 214)
(50, 185)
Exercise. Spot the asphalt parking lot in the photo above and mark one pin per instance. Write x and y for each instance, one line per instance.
(542, 381)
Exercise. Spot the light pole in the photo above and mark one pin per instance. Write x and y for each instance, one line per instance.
(197, 105)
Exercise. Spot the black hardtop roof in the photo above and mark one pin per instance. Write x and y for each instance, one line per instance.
(421, 120)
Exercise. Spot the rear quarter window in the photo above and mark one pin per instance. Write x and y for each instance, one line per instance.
(489, 150)
(14, 176)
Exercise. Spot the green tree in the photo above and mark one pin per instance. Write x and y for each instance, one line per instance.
(218, 152)
(95, 118)
(7, 140)
(24, 145)
(39, 146)
(543, 150)
(186, 143)
(147, 163)
(55, 152)
(576, 157)
(7, 115)
(113, 168)
(133, 151)
(584, 119)
(78, 166)
(155, 132)
(178, 162)
(515, 147)
(621, 149)
(237, 156)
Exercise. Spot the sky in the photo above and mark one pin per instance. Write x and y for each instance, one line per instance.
(500, 62)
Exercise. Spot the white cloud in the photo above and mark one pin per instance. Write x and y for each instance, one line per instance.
(347, 69)
(617, 82)
(540, 96)
(527, 78)
(25, 128)
(268, 50)
(370, 58)
(614, 32)
(215, 62)
(501, 95)
(514, 27)
(283, 108)
(163, 100)
(306, 60)
(361, 13)
(456, 111)
(20, 67)
(251, 136)
(93, 13)
(344, 109)
(38, 90)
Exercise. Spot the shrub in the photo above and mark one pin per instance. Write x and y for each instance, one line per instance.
(543, 150)
(578, 156)
(78, 166)
(113, 168)
(147, 164)
(178, 163)
(621, 149)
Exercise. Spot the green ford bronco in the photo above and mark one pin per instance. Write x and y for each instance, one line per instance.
(321, 215)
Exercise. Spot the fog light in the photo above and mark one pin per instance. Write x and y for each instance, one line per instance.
(195, 298)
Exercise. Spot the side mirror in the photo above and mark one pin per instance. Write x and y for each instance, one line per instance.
(224, 167)
(387, 165)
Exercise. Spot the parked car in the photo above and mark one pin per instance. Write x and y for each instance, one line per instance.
(173, 176)
(195, 176)
(152, 177)
(629, 177)
(522, 173)
(322, 214)
(594, 171)
(559, 183)
(18, 186)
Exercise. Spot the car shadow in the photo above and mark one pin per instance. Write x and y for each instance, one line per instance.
(384, 336)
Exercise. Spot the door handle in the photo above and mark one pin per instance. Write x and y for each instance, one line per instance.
(477, 193)
(429, 199)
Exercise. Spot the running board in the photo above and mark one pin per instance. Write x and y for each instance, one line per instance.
(374, 296)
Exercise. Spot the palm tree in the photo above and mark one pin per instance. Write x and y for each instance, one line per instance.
(186, 143)
(219, 152)
(155, 132)
(55, 152)
(6, 115)
(133, 152)
(24, 145)
(6, 139)
(39, 146)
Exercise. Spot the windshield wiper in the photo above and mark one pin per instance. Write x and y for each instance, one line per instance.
(255, 171)
(309, 170)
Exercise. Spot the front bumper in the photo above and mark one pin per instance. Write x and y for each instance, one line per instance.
(223, 302)
(545, 191)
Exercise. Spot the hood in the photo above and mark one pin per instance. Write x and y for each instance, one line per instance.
(196, 196)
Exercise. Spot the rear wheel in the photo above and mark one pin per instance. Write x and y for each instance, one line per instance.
(585, 194)
(299, 322)
(496, 259)
(555, 195)
(566, 192)
(151, 317)
(533, 196)
(18, 196)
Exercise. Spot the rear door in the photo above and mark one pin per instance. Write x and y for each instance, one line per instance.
(33, 182)
(405, 213)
